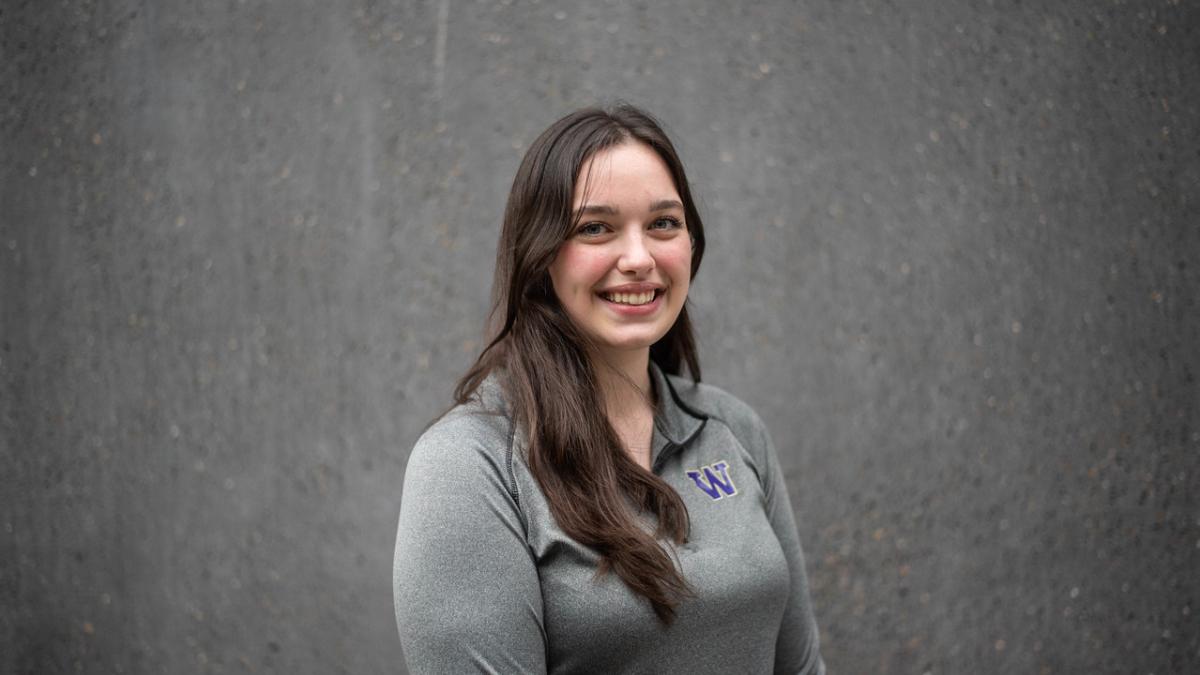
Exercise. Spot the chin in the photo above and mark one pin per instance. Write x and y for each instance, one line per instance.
(631, 342)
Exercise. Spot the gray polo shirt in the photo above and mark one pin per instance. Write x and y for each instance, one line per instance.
(485, 581)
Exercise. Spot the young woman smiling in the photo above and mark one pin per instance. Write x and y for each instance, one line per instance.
(584, 508)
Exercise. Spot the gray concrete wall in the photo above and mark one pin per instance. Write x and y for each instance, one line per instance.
(245, 250)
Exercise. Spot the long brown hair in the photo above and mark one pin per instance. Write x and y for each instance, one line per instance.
(542, 361)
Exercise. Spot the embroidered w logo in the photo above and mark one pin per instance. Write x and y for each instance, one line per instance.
(710, 483)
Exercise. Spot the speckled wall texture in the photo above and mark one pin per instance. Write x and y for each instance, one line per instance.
(245, 250)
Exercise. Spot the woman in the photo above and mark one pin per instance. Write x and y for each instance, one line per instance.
(583, 508)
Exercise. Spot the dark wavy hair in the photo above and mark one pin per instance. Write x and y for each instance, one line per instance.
(541, 359)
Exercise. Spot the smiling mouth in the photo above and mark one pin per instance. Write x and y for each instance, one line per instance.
(632, 298)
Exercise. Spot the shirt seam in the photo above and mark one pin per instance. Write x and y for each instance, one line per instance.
(511, 484)
(508, 467)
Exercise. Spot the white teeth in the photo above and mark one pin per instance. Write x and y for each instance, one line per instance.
(630, 298)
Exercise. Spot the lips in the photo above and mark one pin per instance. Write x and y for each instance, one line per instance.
(635, 299)
(633, 295)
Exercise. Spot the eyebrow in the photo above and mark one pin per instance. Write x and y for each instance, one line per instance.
(605, 209)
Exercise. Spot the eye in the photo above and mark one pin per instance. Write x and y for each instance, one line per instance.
(666, 223)
(591, 229)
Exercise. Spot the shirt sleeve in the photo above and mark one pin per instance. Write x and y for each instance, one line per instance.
(465, 586)
(798, 647)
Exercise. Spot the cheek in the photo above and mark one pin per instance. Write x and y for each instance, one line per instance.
(577, 269)
(676, 261)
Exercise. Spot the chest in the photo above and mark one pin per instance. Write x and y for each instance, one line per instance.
(732, 561)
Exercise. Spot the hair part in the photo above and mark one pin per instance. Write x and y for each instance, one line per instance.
(543, 365)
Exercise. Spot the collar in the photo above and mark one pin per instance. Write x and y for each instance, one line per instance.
(675, 423)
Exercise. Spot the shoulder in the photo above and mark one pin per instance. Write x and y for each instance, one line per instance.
(468, 441)
(717, 403)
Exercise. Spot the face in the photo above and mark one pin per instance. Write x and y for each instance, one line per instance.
(622, 275)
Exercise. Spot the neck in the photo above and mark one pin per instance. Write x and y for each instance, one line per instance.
(624, 379)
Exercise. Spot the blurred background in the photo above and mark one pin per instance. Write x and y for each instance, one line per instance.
(954, 256)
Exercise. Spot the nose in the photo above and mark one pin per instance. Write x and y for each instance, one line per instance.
(635, 256)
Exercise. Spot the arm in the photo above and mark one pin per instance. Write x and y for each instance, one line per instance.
(798, 648)
(465, 586)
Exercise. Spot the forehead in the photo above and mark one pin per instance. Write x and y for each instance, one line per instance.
(630, 172)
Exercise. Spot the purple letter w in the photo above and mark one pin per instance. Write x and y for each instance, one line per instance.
(713, 486)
